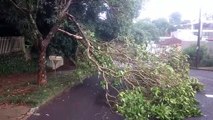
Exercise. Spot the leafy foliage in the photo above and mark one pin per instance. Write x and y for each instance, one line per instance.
(158, 99)
(144, 31)
(196, 85)
(204, 58)
(165, 28)
(38, 95)
(118, 16)
(63, 45)
(16, 63)
(127, 66)
(174, 103)
(175, 18)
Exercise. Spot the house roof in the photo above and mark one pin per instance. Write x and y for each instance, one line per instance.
(184, 35)
(170, 41)
(210, 39)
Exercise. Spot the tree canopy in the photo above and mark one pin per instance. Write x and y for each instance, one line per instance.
(118, 15)
(40, 20)
(145, 31)
(175, 18)
(165, 28)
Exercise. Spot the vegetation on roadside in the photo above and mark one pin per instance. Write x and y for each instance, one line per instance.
(126, 66)
(172, 99)
(30, 93)
(147, 84)
(16, 63)
(174, 103)
(205, 60)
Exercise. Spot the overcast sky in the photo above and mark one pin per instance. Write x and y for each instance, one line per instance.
(189, 9)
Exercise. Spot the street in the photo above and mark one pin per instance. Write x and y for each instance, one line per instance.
(205, 98)
(86, 102)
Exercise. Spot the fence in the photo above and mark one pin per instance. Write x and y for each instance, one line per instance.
(11, 44)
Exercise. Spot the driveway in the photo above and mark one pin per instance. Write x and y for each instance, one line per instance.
(205, 98)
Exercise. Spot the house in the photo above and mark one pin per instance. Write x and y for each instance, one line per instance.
(170, 42)
(207, 28)
(184, 39)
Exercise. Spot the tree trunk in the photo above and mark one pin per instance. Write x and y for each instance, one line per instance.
(42, 76)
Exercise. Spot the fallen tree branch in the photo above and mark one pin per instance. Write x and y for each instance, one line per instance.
(70, 34)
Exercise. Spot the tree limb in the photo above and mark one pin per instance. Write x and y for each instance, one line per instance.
(24, 10)
(63, 12)
(54, 29)
(71, 35)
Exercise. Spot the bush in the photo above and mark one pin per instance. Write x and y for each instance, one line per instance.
(196, 85)
(174, 103)
(16, 63)
(173, 98)
(207, 62)
(205, 59)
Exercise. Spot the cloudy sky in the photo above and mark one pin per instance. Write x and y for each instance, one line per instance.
(189, 9)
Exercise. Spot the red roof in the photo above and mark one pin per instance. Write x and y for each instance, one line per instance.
(170, 41)
(210, 39)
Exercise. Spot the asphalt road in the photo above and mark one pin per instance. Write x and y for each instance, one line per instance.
(205, 98)
(83, 102)
(86, 102)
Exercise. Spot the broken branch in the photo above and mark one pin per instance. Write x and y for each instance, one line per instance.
(70, 34)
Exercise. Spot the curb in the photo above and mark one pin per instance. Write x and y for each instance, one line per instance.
(211, 70)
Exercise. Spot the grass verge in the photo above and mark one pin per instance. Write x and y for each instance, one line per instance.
(29, 93)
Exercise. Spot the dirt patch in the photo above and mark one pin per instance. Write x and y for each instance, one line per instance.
(20, 84)
(24, 90)
(16, 79)
(13, 112)
(15, 84)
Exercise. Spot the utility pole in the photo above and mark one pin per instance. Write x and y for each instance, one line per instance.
(198, 40)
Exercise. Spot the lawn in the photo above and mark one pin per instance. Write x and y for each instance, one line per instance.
(27, 92)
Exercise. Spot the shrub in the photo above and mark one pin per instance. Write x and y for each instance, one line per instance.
(16, 63)
(173, 98)
(196, 85)
(133, 105)
(204, 58)
(207, 62)
(174, 103)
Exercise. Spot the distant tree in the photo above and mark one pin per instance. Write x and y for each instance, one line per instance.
(175, 18)
(165, 28)
(145, 31)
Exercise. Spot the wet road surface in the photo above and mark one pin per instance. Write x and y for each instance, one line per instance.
(83, 102)
(205, 98)
(87, 102)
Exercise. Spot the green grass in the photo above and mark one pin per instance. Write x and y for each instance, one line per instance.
(56, 85)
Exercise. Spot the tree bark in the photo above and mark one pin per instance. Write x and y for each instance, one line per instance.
(42, 76)
(43, 41)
